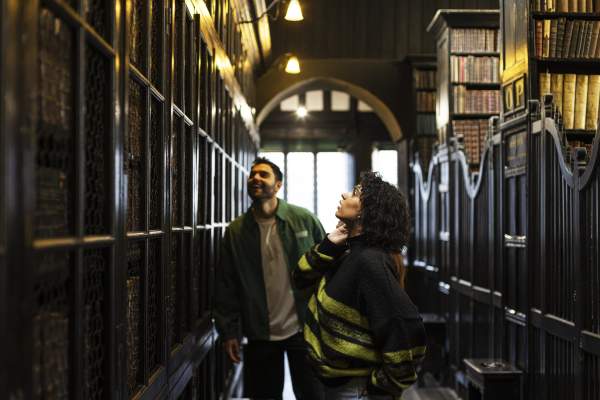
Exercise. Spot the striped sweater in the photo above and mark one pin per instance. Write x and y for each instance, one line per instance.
(360, 322)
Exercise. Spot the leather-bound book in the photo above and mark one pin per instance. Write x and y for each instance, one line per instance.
(556, 86)
(593, 98)
(581, 95)
(569, 100)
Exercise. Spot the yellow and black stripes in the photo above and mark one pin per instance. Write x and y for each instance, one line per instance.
(315, 262)
(360, 322)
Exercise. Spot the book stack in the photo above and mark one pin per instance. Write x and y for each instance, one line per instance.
(572, 6)
(426, 101)
(567, 38)
(474, 40)
(424, 79)
(468, 101)
(577, 96)
(471, 69)
(473, 134)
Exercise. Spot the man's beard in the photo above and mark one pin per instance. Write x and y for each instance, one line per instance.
(266, 192)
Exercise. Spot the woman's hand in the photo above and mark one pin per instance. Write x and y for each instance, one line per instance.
(339, 235)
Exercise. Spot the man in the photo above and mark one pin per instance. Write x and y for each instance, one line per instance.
(254, 294)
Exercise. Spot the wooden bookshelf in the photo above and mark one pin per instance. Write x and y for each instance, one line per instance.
(424, 88)
(560, 43)
(468, 86)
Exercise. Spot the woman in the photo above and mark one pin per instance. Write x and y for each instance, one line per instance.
(364, 335)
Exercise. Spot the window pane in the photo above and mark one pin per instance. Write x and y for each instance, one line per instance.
(331, 183)
(289, 104)
(340, 101)
(277, 158)
(300, 175)
(364, 107)
(386, 163)
(314, 100)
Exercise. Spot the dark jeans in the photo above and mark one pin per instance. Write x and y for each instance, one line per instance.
(264, 370)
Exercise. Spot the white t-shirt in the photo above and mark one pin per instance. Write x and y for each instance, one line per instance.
(283, 319)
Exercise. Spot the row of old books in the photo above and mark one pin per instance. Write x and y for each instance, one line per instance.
(573, 6)
(471, 69)
(467, 101)
(426, 124)
(577, 97)
(474, 40)
(424, 79)
(567, 38)
(425, 101)
(473, 134)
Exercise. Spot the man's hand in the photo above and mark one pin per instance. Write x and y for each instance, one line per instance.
(339, 235)
(232, 348)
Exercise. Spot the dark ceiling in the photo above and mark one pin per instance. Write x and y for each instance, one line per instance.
(381, 29)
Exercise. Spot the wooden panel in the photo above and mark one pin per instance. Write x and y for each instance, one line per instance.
(388, 29)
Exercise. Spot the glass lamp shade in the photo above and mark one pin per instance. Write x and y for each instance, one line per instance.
(294, 12)
(293, 65)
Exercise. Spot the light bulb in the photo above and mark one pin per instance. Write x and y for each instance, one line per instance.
(294, 12)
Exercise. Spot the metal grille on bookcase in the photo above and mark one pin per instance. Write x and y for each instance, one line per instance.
(190, 63)
(134, 162)
(95, 264)
(135, 263)
(171, 299)
(96, 138)
(137, 26)
(203, 178)
(97, 13)
(51, 339)
(189, 166)
(153, 343)
(196, 302)
(156, 163)
(176, 172)
(156, 34)
(178, 53)
(183, 291)
(55, 131)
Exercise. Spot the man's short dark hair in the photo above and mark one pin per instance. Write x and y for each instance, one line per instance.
(274, 167)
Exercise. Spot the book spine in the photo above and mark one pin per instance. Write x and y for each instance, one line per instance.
(593, 98)
(539, 28)
(553, 32)
(569, 100)
(560, 35)
(581, 95)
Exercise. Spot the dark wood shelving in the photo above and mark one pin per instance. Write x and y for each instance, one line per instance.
(478, 85)
(475, 53)
(574, 61)
(554, 15)
(425, 89)
(472, 115)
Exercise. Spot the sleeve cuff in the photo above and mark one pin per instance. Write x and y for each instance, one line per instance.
(327, 247)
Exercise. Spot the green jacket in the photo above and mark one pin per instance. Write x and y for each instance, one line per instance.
(241, 300)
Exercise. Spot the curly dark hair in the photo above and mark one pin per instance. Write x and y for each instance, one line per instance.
(385, 217)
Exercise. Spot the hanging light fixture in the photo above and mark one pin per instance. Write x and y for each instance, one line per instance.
(294, 12)
(293, 65)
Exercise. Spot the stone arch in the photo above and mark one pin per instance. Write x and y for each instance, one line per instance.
(379, 107)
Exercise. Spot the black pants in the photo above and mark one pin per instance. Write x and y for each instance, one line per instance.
(264, 370)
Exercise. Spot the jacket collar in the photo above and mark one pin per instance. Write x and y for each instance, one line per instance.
(281, 212)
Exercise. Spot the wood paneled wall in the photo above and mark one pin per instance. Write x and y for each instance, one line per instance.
(383, 29)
